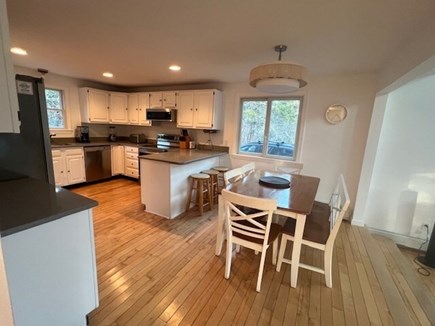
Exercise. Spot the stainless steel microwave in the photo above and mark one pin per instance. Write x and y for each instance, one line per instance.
(159, 114)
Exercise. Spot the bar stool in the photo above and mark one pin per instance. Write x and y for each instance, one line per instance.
(220, 182)
(213, 185)
(200, 183)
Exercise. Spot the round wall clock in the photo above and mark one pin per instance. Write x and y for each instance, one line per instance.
(336, 113)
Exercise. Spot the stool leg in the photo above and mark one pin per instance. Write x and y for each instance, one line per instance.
(201, 196)
(190, 194)
(211, 192)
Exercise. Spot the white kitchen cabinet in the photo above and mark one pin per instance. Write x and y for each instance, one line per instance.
(99, 106)
(68, 166)
(118, 108)
(137, 104)
(200, 109)
(163, 99)
(117, 159)
(131, 162)
(8, 94)
(94, 105)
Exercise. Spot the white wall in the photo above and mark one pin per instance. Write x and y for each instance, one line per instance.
(401, 194)
(326, 150)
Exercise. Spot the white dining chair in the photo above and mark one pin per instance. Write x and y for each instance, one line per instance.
(248, 168)
(247, 231)
(287, 167)
(320, 231)
(232, 175)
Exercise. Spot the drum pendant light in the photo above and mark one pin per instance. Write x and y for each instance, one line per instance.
(279, 76)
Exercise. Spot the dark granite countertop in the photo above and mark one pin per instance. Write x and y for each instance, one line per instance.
(182, 156)
(70, 144)
(27, 202)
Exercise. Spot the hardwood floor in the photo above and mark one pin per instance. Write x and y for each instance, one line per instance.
(153, 271)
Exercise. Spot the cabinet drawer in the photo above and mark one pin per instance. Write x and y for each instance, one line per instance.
(134, 173)
(132, 164)
(130, 149)
(130, 156)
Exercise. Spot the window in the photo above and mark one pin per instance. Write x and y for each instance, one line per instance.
(271, 121)
(55, 108)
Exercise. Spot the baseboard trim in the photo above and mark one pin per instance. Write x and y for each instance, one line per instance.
(407, 241)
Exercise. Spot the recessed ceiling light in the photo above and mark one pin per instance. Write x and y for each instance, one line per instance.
(175, 68)
(19, 51)
(108, 74)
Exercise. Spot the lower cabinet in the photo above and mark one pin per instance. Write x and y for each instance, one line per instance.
(131, 162)
(118, 159)
(69, 166)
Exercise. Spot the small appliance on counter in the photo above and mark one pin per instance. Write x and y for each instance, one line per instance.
(137, 138)
(112, 134)
(82, 134)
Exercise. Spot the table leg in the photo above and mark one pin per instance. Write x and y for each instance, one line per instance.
(297, 243)
(220, 227)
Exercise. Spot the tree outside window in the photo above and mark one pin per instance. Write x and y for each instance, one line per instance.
(271, 121)
(55, 108)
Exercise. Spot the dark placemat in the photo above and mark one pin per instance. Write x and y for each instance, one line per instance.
(274, 182)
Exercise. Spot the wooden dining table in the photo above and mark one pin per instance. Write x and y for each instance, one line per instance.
(294, 202)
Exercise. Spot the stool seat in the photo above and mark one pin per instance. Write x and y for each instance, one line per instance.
(221, 168)
(210, 172)
(200, 176)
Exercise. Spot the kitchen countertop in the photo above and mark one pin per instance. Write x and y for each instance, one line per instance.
(182, 156)
(69, 144)
(27, 202)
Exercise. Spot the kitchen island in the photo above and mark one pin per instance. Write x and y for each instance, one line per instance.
(47, 241)
(165, 178)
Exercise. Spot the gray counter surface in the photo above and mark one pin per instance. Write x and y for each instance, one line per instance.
(182, 156)
(27, 202)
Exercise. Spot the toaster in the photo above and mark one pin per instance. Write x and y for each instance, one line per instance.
(137, 138)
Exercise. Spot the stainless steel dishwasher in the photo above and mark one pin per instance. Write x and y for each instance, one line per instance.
(98, 163)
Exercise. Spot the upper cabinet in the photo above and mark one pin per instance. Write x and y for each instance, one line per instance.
(163, 99)
(137, 105)
(102, 106)
(118, 111)
(94, 105)
(8, 94)
(199, 109)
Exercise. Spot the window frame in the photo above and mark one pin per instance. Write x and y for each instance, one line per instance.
(299, 127)
(65, 113)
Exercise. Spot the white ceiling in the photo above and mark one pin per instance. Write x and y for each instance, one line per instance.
(212, 40)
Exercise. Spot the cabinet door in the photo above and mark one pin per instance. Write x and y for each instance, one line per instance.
(133, 108)
(98, 105)
(117, 159)
(144, 103)
(8, 94)
(58, 168)
(118, 108)
(75, 166)
(203, 109)
(169, 99)
(185, 109)
(156, 100)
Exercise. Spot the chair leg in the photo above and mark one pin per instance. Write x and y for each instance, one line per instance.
(274, 251)
(260, 271)
(228, 257)
(281, 252)
(328, 267)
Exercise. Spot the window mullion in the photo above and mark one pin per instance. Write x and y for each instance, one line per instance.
(266, 128)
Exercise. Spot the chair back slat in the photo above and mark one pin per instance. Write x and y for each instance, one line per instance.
(232, 175)
(287, 167)
(248, 168)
